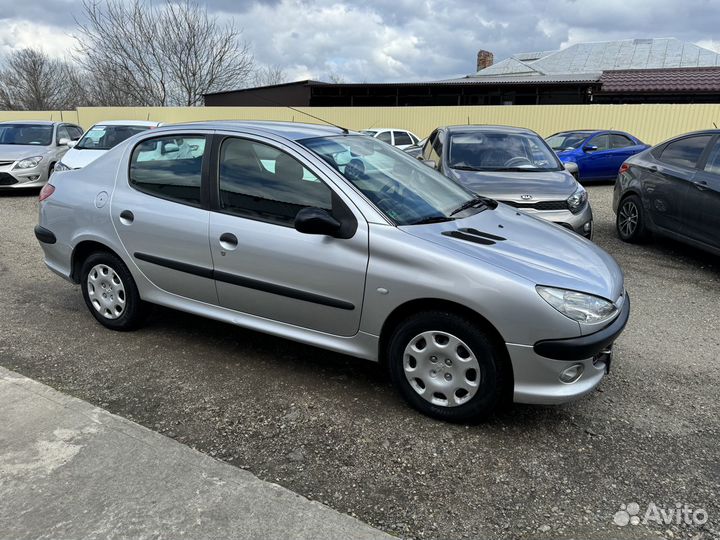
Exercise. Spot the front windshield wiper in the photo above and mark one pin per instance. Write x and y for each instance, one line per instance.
(465, 168)
(431, 219)
(476, 201)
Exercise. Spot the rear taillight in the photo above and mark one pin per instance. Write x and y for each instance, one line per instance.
(624, 168)
(46, 191)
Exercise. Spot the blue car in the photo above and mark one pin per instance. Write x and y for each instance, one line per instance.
(598, 154)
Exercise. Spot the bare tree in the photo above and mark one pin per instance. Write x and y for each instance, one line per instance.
(143, 53)
(31, 80)
(336, 78)
(269, 75)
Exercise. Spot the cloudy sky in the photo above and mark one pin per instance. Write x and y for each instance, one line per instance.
(394, 40)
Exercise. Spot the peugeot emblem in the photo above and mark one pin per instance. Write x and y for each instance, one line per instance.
(526, 197)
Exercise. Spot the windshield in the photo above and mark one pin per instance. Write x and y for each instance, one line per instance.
(487, 151)
(406, 190)
(567, 141)
(106, 137)
(37, 134)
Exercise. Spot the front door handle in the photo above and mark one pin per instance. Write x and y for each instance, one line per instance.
(127, 217)
(228, 241)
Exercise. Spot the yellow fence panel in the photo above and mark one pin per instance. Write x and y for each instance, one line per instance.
(652, 123)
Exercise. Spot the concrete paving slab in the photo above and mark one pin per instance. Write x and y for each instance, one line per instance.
(72, 470)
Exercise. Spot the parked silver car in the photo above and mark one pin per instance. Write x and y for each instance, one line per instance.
(512, 165)
(338, 240)
(29, 151)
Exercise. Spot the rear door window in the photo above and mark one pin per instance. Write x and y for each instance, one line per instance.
(685, 152)
(385, 137)
(620, 141)
(402, 138)
(169, 167)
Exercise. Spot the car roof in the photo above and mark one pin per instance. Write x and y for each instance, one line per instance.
(126, 123)
(34, 122)
(289, 130)
(461, 128)
(385, 129)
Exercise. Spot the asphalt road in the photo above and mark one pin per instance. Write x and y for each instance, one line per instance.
(332, 429)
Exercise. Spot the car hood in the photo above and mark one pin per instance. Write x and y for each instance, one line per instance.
(21, 151)
(511, 186)
(541, 252)
(77, 159)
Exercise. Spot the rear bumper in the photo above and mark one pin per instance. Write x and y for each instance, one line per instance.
(44, 236)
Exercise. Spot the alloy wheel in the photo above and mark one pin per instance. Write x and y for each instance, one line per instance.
(441, 368)
(629, 218)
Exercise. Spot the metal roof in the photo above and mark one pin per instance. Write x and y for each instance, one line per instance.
(526, 78)
(607, 56)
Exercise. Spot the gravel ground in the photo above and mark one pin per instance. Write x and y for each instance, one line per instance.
(331, 427)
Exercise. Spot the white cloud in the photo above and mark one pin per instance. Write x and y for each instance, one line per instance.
(18, 34)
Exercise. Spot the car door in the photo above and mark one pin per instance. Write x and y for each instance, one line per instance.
(666, 184)
(160, 212)
(703, 197)
(594, 164)
(263, 265)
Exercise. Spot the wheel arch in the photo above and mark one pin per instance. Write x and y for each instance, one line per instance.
(82, 251)
(412, 307)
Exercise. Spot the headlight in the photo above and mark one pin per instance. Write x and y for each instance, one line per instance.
(577, 200)
(28, 163)
(60, 166)
(580, 307)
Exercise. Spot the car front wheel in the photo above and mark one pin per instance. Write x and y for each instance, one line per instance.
(110, 292)
(445, 366)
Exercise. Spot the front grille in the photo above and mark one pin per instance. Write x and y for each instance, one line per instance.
(7, 179)
(540, 205)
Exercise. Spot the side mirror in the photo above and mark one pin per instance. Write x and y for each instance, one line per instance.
(72, 143)
(590, 148)
(65, 141)
(430, 163)
(316, 221)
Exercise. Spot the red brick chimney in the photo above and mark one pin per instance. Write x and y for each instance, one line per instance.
(484, 59)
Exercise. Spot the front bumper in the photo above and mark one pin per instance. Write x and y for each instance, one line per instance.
(537, 368)
(23, 178)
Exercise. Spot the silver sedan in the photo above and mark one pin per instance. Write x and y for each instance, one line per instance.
(29, 151)
(334, 239)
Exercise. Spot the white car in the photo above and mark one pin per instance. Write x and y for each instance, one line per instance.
(401, 138)
(99, 139)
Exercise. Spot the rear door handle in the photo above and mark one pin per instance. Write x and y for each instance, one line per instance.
(127, 217)
(228, 241)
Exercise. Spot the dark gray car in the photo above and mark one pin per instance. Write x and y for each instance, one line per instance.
(672, 189)
(514, 166)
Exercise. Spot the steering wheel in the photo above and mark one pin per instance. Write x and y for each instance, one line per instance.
(355, 170)
(517, 161)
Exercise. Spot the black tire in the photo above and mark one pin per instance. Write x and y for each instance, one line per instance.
(133, 308)
(494, 380)
(630, 220)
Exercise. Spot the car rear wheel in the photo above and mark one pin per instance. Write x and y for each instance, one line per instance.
(110, 292)
(630, 221)
(446, 367)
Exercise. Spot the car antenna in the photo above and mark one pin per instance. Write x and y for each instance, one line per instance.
(714, 124)
(343, 129)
